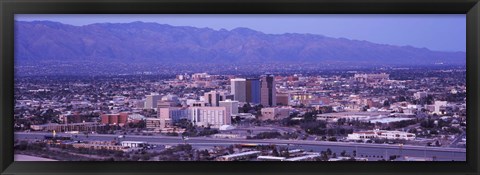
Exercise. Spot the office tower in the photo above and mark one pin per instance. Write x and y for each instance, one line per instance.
(238, 89)
(213, 98)
(151, 101)
(268, 90)
(168, 113)
(253, 90)
(231, 106)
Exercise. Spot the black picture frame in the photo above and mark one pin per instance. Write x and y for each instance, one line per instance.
(10, 7)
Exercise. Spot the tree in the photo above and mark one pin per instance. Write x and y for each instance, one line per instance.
(275, 153)
(285, 153)
(314, 127)
(324, 156)
(310, 116)
(230, 149)
(343, 153)
(437, 143)
(386, 103)
(246, 108)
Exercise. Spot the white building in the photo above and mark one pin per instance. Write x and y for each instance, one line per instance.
(213, 98)
(439, 106)
(240, 156)
(151, 101)
(231, 106)
(360, 116)
(171, 98)
(135, 117)
(271, 158)
(238, 89)
(348, 158)
(199, 76)
(371, 78)
(244, 116)
(226, 127)
(275, 113)
(419, 95)
(214, 117)
(308, 157)
(381, 134)
(133, 144)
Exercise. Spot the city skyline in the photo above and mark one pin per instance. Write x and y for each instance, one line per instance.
(436, 32)
(144, 91)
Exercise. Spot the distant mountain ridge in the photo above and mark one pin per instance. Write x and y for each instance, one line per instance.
(152, 42)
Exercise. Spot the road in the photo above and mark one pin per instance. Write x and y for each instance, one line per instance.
(377, 151)
(457, 139)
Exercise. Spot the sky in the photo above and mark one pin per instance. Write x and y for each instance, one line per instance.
(439, 32)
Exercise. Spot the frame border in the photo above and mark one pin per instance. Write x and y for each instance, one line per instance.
(10, 7)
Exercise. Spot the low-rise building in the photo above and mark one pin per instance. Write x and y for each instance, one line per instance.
(86, 126)
(153, 123)
(101, 145)
(133, 144)
(360, 116)
(239, 156)
(271, 158)
(381, 134)
(308, 157)
(227, 136)
(419, 95)
(114, 119)
(348, 159)
(274, 113)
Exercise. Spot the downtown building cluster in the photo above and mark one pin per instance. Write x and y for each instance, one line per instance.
(215, 108)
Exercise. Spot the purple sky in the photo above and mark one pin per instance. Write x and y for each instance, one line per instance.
(440, 32)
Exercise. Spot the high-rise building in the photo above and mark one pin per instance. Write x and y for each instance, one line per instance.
(268, 90)
(231, 106)
(168, 113)
(209, 116)
(214, 97)
(253, 90)
(238, 89)
(151, 101)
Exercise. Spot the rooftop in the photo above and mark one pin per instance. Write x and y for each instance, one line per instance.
(310, 156)
(241, 154)
(341, 114)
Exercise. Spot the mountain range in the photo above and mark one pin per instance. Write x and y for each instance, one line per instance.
(162, 43)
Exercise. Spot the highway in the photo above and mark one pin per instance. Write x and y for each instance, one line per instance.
(371, 151)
